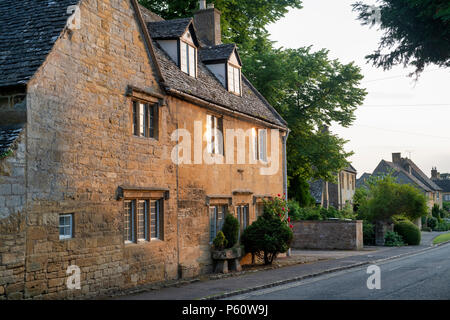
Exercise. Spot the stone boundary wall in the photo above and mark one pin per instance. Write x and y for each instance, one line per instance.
(341, 235)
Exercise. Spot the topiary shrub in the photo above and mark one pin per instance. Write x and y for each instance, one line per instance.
(270, 234)
(432, 222)
(368, 233)
(220, 242)
(409, 232)
(393, 239)
(230, 230)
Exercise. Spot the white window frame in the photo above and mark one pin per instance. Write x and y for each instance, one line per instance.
(147, 219)
(188, 56)
(70, 225)
(234, 79)
(214, 137)
(262, 145)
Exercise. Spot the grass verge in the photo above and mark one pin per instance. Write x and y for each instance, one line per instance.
(442, 238)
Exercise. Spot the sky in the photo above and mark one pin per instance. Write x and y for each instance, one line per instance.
(399, 114)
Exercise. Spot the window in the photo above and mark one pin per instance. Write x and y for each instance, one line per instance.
(234, 79)
(188, 59)
(260, 144)
(214, 131)
(145, 120)
(142, 220)
(65, 226)
(216, 220)
(259, 209)
(242, 216)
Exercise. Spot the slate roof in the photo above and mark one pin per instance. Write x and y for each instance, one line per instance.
(8, 134)
(361, 181)
(444, 184)
(168, 29)
(28, 31)
(350, 168)
(208, 88)
(404, 176)
(219, 52)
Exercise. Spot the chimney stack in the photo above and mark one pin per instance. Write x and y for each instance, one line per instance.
(396, 157)
(435, 175)
(207, 24)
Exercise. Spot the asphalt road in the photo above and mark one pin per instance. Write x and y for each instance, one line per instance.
(421, 276)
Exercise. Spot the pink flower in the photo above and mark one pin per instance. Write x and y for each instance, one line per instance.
(291, 226)
(279, 195)
(289, 219)
(282, 208)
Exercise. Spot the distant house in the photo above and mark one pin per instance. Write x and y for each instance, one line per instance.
(443, 181)
(337, 195)
(407, 172)
(362, 180)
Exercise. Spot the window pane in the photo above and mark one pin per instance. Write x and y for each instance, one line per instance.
(152, 121)
(141, 120)
(192, 61)
(212, 223)
(216, 136)
(237, 84)
(262, 144)
(183, 57)
(135, 118)
(153, 219)
(141, 220)
(230, 78)
(128, 221)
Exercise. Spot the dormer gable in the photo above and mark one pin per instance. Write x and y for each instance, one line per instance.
(178, 39)
(225, 63)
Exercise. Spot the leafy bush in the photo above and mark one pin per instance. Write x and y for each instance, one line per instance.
(312, 214)
(230, 230)
(393, 239)
(432, 222)
(295, 211)
(446, 206)
(269, 235)
(427, 229)
(368, 233)
(436, 211)
(442, 226)
(424, 220)
(409, 232)
(220, 242)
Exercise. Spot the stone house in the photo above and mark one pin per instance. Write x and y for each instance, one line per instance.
(337, 195)
(407, 172)
(443, 181)
(99, 103)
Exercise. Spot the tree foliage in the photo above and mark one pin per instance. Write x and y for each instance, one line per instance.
(416, 32)
(384, 198)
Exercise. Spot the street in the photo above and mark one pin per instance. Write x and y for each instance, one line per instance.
(422, 276)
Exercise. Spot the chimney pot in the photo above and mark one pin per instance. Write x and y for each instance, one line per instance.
(202, 4)
(396, 157)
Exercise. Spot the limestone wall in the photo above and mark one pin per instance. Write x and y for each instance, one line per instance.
(329, 235)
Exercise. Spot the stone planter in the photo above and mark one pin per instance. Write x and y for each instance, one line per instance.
(227, 260)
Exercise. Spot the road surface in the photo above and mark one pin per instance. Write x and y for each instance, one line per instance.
(422, 276)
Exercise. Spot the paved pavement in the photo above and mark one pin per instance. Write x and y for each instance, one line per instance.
(339, 260)
(423, 276)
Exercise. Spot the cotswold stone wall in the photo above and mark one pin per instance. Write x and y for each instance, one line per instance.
(81, 149)
(342, 235)
(12, 221)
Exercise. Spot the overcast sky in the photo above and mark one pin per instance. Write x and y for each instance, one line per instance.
(399, 115)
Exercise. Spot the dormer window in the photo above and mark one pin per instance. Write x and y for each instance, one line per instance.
(234, 79)
(188, 59)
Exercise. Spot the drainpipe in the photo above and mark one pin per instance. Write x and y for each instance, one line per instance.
(285, 179)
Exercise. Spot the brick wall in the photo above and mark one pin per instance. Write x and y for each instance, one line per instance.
(342, 235)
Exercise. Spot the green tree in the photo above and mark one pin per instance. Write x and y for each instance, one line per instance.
(416, 32)
(385, 198)
(241, 19)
